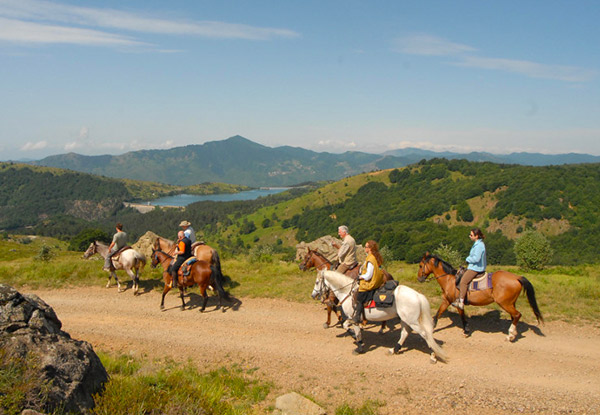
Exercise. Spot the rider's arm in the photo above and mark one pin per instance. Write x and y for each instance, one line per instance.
(368, 273)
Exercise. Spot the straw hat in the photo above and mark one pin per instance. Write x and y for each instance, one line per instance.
(184, 223)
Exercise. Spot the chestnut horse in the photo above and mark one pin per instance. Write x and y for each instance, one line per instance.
(201, 273)
(505, 291)
(315, 259)
(200, 250)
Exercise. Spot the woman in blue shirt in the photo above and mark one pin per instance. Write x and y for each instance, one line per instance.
(477, 263)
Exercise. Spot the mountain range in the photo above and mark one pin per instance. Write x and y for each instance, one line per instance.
(238, 160)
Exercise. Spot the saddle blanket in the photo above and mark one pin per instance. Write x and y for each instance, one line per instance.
(187, 265)
(481, 283)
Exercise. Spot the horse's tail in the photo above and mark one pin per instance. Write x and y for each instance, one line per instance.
(426, 323)
(531, 298)
(141, 259)
(217, 274)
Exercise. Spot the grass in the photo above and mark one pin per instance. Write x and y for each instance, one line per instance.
(167, 387)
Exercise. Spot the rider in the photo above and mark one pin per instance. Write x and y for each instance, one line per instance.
(370, 278)
(188, 230)
(119, 241)
(347, 251)
(183, 252)
(477, 263)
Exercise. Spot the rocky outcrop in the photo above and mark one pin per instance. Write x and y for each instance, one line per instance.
(69, 369)
(324, 245)
(145, 243)
(295, 404)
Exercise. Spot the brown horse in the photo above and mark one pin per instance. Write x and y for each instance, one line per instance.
(201, 273)
(315, 259)
(200, 250)
(506, 288)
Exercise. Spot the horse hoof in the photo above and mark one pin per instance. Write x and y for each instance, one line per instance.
(325, 325)
(432, 359)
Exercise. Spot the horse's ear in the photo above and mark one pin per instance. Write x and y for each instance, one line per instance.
(426, 254)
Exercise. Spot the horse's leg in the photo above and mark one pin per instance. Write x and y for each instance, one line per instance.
(382, 328)
(204, 298)
(165, 291)
(515, 316)
(403, 335)
(133, 276)
(463, 319)
(443, 307)
(181, 287)
(114, 274)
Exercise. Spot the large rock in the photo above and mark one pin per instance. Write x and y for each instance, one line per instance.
(145, 243)
(30, 329)
(324, 245)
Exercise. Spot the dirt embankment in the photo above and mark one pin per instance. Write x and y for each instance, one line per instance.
(554, 369)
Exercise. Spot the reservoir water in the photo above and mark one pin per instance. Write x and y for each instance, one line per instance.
(186, 199)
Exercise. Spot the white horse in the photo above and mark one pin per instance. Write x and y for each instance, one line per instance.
(130, 260)
(411, 306)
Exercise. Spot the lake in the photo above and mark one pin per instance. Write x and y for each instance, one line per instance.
(186, 199)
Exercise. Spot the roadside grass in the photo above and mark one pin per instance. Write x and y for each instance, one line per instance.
(168, 387)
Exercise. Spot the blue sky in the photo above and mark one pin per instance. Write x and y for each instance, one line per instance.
(108, 77)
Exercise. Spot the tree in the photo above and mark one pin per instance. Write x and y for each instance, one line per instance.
(532, 250)
(84, 238)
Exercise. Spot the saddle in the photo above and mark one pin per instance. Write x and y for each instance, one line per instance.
(197, 243)
(482, 281)
(116, 255)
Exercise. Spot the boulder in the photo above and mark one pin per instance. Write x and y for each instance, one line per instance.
(295, 404)
(69, 370)
(324, 245)
(145, 243)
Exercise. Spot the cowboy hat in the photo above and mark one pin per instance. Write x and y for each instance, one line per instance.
(184, 223)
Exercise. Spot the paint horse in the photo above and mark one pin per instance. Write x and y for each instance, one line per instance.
(129, 260)
(505, 290)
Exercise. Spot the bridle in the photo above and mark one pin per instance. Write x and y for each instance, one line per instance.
(158, 261)
(431, 275)
(323, 287)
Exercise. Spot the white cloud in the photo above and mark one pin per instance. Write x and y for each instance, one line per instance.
(531, 69)
(32, 146)
(19, 15)
(28, 32)
(428, 45)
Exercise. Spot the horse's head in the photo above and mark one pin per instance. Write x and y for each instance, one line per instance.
(308, 262)
(155, 259)
(320, 287)
(425, 267)
(90, 251)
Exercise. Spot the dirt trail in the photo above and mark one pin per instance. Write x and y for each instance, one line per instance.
(554, 369)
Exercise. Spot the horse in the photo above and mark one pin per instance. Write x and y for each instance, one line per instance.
(200, 250)
(314, 259)
(202, 273)
(129, 260)
(410, 306)
(506, 288)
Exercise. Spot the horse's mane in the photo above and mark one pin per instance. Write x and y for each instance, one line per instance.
(445, 265)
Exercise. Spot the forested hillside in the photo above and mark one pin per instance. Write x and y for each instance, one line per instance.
(437, 201)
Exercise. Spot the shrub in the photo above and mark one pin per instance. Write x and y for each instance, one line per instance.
(386, 254)
(532, 250)
(45, 253)
(449, 255)
(84, 238)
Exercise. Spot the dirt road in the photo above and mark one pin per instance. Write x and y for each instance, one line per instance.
(554, 369)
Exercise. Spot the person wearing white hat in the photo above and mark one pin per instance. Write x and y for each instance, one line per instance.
(188, 230)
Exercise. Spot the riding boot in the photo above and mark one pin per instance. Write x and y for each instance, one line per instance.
(358, 312)
(459, 303)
